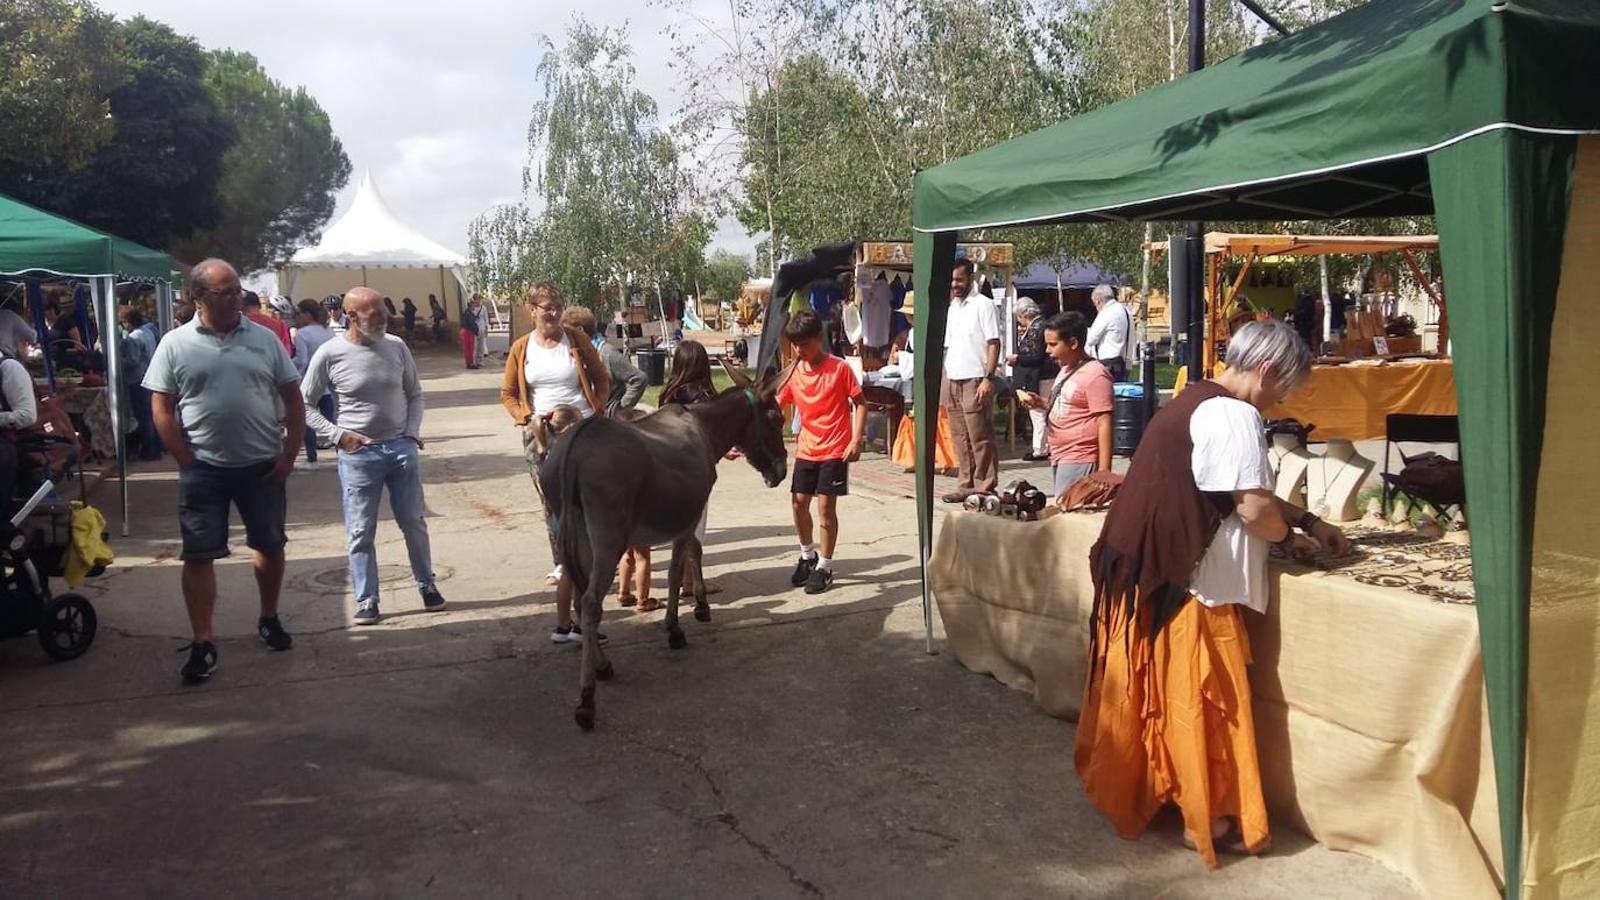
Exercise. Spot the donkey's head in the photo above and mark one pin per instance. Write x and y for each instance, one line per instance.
(761, 441)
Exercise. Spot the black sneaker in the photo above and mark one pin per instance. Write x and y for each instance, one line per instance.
(202, 662)
(802, 570)
(819, 581)
(432, 599)
(272, 633)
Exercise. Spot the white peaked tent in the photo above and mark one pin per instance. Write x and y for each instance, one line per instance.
(369, 247)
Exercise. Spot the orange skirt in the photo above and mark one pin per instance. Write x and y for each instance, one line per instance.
(1172, 723)
(944, 450)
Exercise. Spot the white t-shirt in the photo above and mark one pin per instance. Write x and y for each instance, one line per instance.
(1230, 454)
(973, 323)
(552, 378)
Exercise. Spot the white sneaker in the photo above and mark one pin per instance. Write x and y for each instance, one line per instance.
(554, 577)
(301, 465)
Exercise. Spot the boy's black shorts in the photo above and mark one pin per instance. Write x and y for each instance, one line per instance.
(829, 477)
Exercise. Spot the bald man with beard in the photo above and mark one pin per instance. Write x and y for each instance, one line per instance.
(378, 432)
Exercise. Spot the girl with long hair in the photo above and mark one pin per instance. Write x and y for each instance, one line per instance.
(691, 383)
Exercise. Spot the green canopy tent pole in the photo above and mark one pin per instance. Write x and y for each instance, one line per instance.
(933, 257)
(1501, 250)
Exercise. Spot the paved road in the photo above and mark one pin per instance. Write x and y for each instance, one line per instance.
(798, 747)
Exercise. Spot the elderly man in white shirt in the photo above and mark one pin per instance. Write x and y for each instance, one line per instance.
(971, 355)
(1111, 333)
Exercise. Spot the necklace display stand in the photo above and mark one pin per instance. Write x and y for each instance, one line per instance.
(1289, 462)
(1334, 479)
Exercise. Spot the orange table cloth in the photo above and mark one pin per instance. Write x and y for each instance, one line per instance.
(1354, 401)
(905, 445)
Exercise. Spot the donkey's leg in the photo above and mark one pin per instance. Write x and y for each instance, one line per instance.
(696, 554)
(675, 638)
(595, 665)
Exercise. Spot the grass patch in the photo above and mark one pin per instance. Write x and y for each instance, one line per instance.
(719, 378)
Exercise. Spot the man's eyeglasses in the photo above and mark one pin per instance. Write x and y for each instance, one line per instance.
(223, 294)
(552, 309)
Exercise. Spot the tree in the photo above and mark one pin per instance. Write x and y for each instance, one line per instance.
(725, 275)
(277, 186)
(498, 242)
(732, 70)
(156, 181)
(612, 201)
(58, 67)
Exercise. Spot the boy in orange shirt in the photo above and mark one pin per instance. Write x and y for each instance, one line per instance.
(822, 389)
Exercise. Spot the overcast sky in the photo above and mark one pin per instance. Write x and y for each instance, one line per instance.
(433, 97)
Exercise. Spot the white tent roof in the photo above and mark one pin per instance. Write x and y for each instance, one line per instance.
(368, 234)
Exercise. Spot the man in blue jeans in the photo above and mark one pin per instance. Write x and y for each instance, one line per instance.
(372, 374)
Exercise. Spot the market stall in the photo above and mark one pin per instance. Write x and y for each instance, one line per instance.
(38, 247)
(1367, 679)
(882, 279)
(1507, 157)
(1354, 400)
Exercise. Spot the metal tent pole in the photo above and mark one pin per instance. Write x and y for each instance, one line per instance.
(1195, 304)
(103, 291)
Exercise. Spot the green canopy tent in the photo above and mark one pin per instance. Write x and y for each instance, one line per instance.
(37, 244)
(1483, 113)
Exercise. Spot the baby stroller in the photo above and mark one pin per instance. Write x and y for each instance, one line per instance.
(33, 545)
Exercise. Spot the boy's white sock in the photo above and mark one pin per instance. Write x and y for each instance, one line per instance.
(808, 550)
(825, 563)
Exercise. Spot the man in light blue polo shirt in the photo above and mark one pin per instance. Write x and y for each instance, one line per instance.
(226, 402)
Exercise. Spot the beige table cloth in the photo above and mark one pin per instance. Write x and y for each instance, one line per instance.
(1367, 679)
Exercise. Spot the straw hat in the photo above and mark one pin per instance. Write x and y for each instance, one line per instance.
(908, 305)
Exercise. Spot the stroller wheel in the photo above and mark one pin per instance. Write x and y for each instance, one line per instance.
(66, 629)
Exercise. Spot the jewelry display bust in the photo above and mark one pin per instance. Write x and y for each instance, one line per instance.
(1334, 479)
(1289, 462)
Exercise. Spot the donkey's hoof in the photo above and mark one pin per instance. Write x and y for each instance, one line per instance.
(604, 673)
(584, 717)
(676, 640)
(702, 613)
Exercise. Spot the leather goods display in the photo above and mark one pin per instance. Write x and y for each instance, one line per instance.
(1095, 492)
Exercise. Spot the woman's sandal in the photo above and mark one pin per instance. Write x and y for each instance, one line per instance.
(627, 600)
(649, 604)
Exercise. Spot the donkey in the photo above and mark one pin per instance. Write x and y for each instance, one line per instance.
(614, 485)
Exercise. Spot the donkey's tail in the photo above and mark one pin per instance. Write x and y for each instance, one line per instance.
(571, 527)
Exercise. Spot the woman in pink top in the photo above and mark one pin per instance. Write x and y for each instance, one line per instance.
(1079, 407)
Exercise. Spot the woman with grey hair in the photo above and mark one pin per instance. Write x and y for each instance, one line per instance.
(1031, 369)
(1167, 716)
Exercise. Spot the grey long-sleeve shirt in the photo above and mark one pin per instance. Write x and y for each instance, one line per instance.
(376, 385)
(627, 382)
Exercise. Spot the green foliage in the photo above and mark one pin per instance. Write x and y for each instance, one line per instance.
(58, 67)
(611, 196)
(156, 180)
(725, 275)
(136, 130)
(279, 179)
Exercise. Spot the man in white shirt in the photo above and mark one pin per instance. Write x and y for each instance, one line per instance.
(1111, 332)
(971, 354)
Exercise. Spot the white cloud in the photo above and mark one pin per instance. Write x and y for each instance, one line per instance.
(433, 98)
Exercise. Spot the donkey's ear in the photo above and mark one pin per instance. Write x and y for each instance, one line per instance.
(740, 379)
(775, 380)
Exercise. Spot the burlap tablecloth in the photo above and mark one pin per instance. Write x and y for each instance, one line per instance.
(1368, 698)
